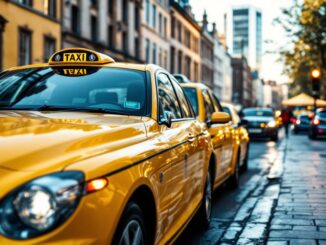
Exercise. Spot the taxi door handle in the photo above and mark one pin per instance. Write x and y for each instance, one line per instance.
(191, 138)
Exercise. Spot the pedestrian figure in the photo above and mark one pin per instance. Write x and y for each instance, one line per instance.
(286, 119)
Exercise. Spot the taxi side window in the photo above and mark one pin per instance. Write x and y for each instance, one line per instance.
(168, 102)
(217, 103)
(187, 113)
(208, 104)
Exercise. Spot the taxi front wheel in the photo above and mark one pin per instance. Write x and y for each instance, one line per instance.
(204, 214)
(131, 228)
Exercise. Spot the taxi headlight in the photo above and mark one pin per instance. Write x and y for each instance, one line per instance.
(40, 205)
(271, 124)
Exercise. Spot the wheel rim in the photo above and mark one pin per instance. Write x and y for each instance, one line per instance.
(208, 197)
(132, 234)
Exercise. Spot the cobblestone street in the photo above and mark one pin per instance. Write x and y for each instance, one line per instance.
(281, 199)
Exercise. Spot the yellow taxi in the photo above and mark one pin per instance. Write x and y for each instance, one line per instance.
(240, 132)
(98, 152)
(230, 142)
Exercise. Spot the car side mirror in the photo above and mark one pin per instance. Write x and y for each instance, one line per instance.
(220, 117)
(167, 121)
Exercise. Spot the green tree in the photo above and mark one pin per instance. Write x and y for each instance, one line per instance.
(305, 25)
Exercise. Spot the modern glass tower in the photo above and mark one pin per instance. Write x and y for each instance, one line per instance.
(246, 35)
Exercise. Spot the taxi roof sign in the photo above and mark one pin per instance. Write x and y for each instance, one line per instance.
(79, 56)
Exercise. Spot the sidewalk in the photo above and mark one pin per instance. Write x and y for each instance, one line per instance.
(288, 206)
(299, 216)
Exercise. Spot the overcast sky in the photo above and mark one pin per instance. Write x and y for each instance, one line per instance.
(271, 9)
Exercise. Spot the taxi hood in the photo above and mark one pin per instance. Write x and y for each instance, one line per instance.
(50, 141)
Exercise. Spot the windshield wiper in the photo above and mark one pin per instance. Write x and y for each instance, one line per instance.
(81, 109)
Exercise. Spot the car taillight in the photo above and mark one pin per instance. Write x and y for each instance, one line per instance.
(298, 121)
(316, 121)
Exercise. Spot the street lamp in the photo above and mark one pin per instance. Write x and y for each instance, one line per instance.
(315, 76)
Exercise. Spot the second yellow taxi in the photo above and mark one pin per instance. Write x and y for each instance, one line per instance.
(230, 140)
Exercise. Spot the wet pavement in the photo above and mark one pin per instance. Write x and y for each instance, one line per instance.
(281, 198)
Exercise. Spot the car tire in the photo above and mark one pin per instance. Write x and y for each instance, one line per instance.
(295, 131)
(244, 167)
(204, 214)
(131, 226)
(234, 179)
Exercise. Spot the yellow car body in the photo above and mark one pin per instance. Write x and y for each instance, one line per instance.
(163, 168)
(230, 141)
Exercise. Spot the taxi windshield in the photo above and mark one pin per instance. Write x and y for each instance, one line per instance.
(107, 90)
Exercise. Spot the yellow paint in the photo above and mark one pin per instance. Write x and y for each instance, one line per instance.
(130, 152)
(19, 16)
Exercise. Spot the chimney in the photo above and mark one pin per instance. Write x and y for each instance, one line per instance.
(214, 31)
(205, 21)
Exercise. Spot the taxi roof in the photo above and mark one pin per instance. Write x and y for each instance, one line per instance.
(194, 85)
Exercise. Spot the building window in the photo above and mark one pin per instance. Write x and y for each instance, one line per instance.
(125, 41)
(137, 50)
(165, 59)
(154, 16)
(147, 50)
(165, 27)
(25, 47)
(196, 72)
(125, 11)
(187, 39)
(180, 61)
(94, 4)
(160, 24)
(111, 7)
(179, 32)
(94, 26)
(147, 9)
(137, 25)
(160, 62)
(187, 67)
(172, 27)
(26, 2)
(50, 8)
(111, 36)
(75, 19)
(154, 53)
(172, 59)
(49, 47)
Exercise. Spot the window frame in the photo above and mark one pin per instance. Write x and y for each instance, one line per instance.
(160, 122)
(30, 33)
(48, 39)
(175, 83)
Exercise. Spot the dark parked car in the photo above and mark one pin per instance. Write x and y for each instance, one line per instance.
(318, 124)
(302, 123)
(260, 123)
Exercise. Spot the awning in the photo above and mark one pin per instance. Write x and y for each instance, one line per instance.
(303, 100)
